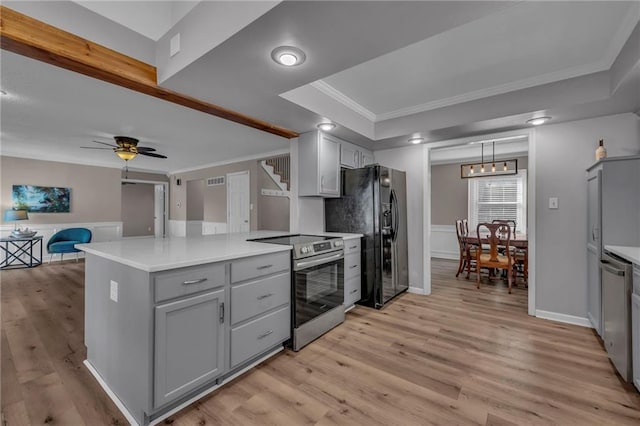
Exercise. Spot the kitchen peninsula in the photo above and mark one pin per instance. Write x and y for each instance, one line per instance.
(169, 320)
(160, 328)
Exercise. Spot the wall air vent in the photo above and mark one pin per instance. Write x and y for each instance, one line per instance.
(215, 181)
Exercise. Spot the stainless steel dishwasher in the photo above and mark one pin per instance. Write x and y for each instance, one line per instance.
(616, 312)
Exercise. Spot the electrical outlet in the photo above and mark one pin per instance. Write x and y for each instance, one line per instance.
(553, 202)
(114, 291)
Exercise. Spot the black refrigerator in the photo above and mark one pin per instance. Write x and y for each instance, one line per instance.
(373, 202)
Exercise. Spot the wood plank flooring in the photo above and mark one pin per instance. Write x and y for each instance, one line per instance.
(460, 356)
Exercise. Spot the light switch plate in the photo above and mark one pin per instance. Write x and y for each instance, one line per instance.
(113, 291)
(553, 202)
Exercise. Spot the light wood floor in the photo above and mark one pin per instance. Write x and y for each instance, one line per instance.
(460, 356)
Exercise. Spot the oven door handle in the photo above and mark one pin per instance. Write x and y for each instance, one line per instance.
(310, 263)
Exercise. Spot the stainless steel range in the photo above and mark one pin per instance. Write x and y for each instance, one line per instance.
(317, 285)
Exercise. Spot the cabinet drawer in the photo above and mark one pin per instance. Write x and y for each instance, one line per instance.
(352, 291)
(256, 297)
(352, 266)
(352, 246)
(257, 336)
(188, 281)
(258, 266)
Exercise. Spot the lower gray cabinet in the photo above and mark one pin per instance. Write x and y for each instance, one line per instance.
(189, 345)
(259, 335)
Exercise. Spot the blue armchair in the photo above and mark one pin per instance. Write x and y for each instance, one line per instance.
(63, 241)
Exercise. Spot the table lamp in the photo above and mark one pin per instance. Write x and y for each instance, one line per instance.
(15, 215)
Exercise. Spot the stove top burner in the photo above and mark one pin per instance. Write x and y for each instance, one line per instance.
(306, 245)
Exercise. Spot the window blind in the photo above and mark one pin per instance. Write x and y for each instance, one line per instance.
(500, 197)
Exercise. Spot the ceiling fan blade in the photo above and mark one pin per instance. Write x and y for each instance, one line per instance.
(104, 143)
(145, 148)
(94, 147)
(151, 154)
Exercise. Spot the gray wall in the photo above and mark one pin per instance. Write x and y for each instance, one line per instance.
(563, 152)
(195, 200)
(138, 210)
(410, 160)
(95, 191)
(156, 177)
(450, 192)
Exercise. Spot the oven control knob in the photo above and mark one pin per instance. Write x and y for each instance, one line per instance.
(338, 243)
(304, 250)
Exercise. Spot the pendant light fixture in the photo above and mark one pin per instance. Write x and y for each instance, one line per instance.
(510, 167)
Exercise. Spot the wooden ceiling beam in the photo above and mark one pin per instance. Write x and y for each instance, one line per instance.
(29, 37)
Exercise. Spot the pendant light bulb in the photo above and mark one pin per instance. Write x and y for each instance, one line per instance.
(505, 166)
(482, 169)
(471, 170)
(493, 168)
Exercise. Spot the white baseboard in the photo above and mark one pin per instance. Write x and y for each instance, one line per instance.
(417, 290)
(439, 254)
(567, 319)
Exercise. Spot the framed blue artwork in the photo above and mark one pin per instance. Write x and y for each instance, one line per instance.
(41, 199)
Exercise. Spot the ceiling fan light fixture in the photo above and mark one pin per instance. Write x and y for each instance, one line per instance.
(125, 155)
(416, 141)
(288, 56)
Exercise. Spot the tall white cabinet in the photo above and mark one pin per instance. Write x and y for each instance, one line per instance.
(613, 203)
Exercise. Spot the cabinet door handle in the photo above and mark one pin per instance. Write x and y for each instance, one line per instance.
(353, 291)
(264, 296)
(222, 312)
(198, 281)
(321, 182)
(355, 158)
(353, 247)
(264, 267)
(353, 266)
(263, 335)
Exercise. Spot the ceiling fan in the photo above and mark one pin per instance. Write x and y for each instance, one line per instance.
(127, 148)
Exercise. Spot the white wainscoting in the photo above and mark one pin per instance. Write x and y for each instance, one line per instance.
(101, 231)
(194, 228)
(568, 319)
(209, 228)
(444, 242)
(182, 228)
(177, 228)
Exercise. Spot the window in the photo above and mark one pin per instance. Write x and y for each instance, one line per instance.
(500, 197)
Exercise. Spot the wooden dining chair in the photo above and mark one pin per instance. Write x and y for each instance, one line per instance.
(497, 235)
(467, 248)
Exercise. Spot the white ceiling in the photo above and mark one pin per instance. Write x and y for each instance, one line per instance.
(525, 45)
(382, 70)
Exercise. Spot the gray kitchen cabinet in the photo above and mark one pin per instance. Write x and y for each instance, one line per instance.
(189, 345)
(318, 165)
(352, 272)
(613, 202)
(353, 156)
(635, 326)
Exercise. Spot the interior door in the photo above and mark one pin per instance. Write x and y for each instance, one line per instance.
(238, 202)
(158, 214)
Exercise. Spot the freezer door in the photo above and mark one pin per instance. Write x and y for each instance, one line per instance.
(400, 246)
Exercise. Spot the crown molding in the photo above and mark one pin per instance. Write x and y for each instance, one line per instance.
(338, 96)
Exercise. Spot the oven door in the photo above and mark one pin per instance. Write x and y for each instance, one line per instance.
(318, 283)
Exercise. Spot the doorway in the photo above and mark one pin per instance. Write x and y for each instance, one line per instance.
(479, 200)
(239, 202)
(144, 207)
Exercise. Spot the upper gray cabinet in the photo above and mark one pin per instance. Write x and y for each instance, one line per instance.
(353, 156)
(319, 165)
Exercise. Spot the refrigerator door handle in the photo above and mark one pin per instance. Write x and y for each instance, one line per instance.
(395, 215)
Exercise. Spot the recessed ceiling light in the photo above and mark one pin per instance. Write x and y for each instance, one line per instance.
(289, 56)
(326, 126)
(538, 121)
(416, 141)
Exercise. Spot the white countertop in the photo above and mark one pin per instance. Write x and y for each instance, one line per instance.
(160, 254)
(632, 254)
